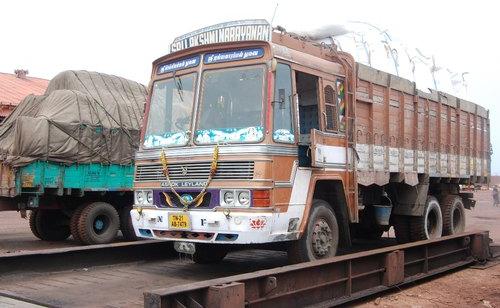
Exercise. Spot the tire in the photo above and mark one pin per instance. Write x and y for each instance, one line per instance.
(51, 225)
(402, 229)
(32, 223)
(126, 224)
(208, 254)
(321, 237)
(73, 223)
(453, 215)
(98, 223)
(430, 224)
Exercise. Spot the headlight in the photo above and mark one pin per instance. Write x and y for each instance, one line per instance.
(244, 197)
(139, 197)
(235, 197)
(144, 197)
(149, 197)
(228, 197)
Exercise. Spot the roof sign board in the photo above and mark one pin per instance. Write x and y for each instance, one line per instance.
(233, 55)
(234, 31)
(179, 64)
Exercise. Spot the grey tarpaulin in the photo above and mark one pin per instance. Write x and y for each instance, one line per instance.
(83, 117)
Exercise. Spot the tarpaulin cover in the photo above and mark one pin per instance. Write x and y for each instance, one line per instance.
(83, 117)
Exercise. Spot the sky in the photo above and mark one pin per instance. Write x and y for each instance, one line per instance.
(124, 37)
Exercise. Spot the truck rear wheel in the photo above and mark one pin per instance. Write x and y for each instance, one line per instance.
(126, 224)
(98, 223)
(32, 223)
(73, 223)
(206, 254)
(453, 215)
(321, 237)
(51, 225)
(430, 224)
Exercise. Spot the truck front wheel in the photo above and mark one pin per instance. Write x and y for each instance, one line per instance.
(126, 224)
(321, 237)
(98, 223)
(430, 224)
(51, 225)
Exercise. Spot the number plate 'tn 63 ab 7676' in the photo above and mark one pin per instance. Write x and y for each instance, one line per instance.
(179, 221)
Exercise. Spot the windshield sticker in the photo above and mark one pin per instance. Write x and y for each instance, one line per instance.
(243, 30)
(248, 134)
(178, 65)
(235, 55)
(166, 140)
(283, 135)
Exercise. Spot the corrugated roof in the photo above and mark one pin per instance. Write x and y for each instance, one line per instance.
(14, 89)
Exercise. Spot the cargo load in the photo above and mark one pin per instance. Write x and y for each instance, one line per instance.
(83, 117)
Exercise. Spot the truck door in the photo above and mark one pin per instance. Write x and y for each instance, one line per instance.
(329, 147)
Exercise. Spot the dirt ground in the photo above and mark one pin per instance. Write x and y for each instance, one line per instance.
(465, 288)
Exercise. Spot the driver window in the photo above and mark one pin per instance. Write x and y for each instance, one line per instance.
(282, 106)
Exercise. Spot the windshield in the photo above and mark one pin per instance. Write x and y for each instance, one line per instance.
(231, 105)
(170, 112)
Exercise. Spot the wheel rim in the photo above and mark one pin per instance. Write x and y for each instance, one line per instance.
(101, 224)
(432, 223)
(321, 239)
(457, 220)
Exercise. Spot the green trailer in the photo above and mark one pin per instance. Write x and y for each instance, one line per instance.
(88, 201)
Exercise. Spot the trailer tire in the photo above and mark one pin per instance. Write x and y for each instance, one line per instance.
(401, 226)
(32, 223)
(207, 254)
(52, 225)
(321, 237)
(126, 225)
(453, 211)
(430, 224)
(98, 223)
(73, 223)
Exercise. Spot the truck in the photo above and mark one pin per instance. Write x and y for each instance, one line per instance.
(67, 157)
(256, 136)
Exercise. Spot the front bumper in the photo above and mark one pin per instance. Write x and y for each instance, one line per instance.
(228, 227)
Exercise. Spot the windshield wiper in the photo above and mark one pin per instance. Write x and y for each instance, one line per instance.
(178, 86)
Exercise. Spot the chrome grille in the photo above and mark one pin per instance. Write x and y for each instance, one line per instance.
(226, 170)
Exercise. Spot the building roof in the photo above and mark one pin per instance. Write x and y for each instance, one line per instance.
(13, 89)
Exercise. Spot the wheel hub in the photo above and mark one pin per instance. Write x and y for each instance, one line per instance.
(321, 238)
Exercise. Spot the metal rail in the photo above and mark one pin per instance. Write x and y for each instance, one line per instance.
(330, 282)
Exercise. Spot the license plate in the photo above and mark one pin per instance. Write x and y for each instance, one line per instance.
(179, 221)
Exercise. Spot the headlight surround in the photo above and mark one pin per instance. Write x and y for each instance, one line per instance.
(144, 197)
(235, 197)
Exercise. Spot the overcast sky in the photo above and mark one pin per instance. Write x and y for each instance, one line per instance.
(124, 37)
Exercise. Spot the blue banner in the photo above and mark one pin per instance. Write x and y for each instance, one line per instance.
(234, 55)
(178, 65)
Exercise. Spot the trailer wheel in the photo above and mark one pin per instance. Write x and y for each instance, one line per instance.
(206, 254)
(430, 224)
(321, 238)
(453, 211)
(401, 226)
(98, 223)
(52, 225)
(32, 222)
(126, 224)
(73, 223)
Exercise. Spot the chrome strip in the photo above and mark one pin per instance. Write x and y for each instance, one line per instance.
(288, 184)
(223, 150)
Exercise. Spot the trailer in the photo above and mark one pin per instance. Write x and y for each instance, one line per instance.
(67, 157)
(256, 136)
